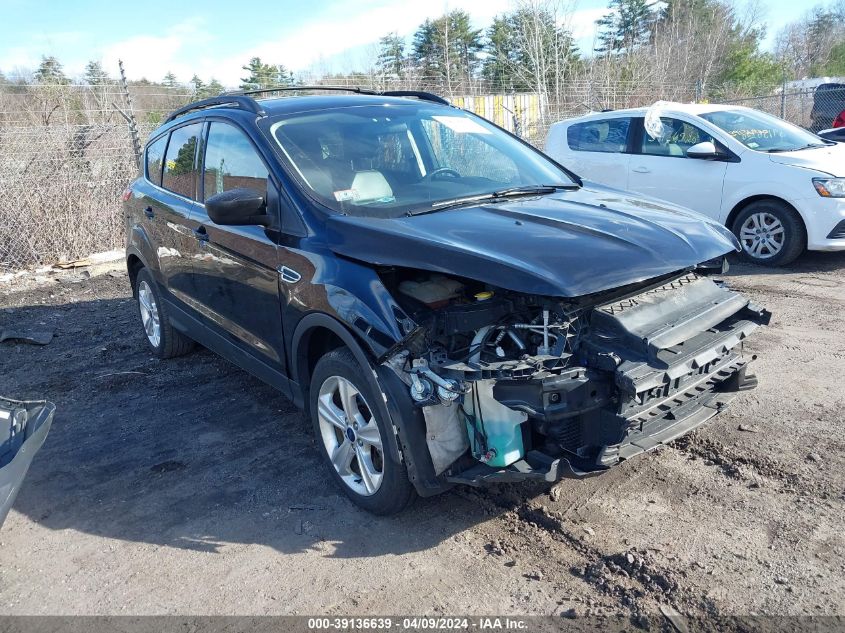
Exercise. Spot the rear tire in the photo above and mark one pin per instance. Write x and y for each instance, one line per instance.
(771, 233)
(353, 438)
(164, 340)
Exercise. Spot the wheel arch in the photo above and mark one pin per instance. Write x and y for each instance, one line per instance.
(134, 264)
(315, 335)
(318, 331)
(742, 204)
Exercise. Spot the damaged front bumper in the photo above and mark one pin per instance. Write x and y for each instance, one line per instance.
(646, 369)
(648, 436)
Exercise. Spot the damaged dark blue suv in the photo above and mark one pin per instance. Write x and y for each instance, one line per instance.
(448, 303)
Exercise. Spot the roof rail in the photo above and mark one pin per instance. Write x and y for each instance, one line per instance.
(425, 96)
(240, 101)
(258, 91)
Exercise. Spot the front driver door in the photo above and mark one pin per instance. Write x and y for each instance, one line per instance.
(660, 167)
(236, 284)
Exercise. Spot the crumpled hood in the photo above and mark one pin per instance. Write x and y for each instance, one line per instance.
(829, 160)
(567, 244)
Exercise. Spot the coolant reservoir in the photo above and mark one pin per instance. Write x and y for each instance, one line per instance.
(435, 292)
(501, 424)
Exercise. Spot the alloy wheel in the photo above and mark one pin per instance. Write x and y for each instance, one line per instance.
(350, 435)
(149, 313)
(762, 235)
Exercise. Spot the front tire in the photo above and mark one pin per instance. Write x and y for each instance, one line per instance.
(352, 437)
(164, 340)
(771, 233)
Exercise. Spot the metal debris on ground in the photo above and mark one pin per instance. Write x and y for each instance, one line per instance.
(76, 263)
(38, 337)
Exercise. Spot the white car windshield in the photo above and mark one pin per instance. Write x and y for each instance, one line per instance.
(763, 132)
(389, 160)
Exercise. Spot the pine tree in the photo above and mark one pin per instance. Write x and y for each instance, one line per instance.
(500, 63)
(198, 84)
(263, 75)
(527, 50)
(391, 57)
(95, 75)
(170, 80)
(213, 88)
(628, 26)
(447, 49)
(50, 72)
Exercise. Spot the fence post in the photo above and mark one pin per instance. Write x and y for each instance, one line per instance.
(130, 115)
(783, 93)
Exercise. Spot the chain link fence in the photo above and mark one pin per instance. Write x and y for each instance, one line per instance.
(66, 155)
(66, 152)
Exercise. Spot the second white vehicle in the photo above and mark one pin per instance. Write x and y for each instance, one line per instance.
(779, 188)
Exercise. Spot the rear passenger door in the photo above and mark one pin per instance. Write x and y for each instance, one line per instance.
(599, 150)
(169, 211)
(236, 284)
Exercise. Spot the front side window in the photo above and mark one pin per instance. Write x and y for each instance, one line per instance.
(231, 162)
(155, 159)
(180, 173)
(675, 138)
(608, 135)
(762, 132)
(388, 160)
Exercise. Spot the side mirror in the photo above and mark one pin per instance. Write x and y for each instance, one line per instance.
(703, 151)
(238, 207)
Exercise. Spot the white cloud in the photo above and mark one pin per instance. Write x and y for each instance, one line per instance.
(342, 35)
(179, 50)
(582, 22)
(349, 29)
(27, 58)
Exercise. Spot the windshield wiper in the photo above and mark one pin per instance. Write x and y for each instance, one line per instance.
(500, 194)
(531, 189)
(778, 150)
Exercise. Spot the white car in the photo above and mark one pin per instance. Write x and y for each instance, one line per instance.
(779, 188)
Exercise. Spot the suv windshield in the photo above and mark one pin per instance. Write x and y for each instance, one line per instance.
(762, 132)
(389, 160)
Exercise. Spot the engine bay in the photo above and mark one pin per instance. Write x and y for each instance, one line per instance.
(523, 384)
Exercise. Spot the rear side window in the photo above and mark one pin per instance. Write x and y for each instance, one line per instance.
(231, 162)
(180, 173)
(155, 159)
(608, 135)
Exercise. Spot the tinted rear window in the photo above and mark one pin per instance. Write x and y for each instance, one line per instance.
(155, 159)
(180, 172)
(606, 135)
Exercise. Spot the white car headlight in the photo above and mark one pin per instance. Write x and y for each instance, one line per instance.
(830, 187)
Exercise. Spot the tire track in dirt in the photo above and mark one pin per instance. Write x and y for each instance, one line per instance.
(735, 465)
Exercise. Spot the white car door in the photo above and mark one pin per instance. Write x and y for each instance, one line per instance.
(596, 149)
(660, 167)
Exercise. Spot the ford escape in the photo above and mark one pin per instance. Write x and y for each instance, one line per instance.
(448, 304)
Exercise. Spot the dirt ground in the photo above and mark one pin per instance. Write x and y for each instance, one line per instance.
(189, 487)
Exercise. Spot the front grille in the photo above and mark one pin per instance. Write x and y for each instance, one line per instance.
(680, 399)
(631, 302)
(567, 434)
(838, 232)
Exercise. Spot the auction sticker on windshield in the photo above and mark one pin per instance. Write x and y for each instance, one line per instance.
(461, 125)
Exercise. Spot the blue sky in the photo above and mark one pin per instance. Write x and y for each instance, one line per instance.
(215, 38)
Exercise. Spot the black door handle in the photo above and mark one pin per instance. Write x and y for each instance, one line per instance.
(149, 213)
(201, 234)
